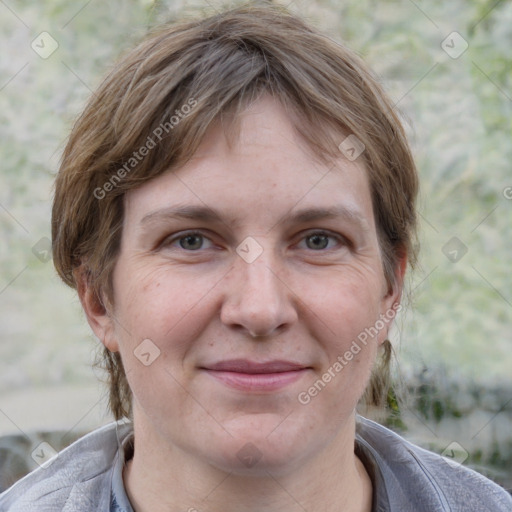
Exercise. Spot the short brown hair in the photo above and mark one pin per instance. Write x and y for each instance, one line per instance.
(216, 66)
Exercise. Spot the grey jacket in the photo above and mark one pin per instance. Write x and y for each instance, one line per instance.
(405, 477)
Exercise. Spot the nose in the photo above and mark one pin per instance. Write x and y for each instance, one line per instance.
(257, 302)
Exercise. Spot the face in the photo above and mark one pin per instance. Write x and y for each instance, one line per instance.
(242, 279)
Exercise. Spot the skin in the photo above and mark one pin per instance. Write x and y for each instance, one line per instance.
(303, 299)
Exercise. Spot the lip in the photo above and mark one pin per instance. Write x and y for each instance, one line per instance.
(254, 376)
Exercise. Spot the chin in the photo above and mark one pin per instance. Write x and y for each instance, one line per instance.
(262, 444)
(256, 459)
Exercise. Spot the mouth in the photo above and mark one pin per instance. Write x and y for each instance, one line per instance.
(245, 375)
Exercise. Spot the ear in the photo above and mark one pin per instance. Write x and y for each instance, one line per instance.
(97, 314)
(390, 303)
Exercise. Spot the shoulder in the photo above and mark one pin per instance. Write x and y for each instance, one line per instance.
(412, 475)
(78, 478)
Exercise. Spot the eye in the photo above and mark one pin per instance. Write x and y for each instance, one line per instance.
(320, 240)
(191, 241)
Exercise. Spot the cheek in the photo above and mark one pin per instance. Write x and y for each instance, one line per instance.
(345, 302)
(158, 305)
(341, 311)
(170, 311)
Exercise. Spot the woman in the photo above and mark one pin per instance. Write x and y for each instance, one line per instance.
(236, 209)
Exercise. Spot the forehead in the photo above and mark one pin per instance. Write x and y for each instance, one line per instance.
(264, 169)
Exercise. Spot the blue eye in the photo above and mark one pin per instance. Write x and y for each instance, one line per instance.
(317, 241)
(320, 240)
(189, 242)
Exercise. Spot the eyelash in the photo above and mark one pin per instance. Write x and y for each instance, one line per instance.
(339, 239)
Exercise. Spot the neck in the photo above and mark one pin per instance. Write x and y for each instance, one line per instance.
(169, 479)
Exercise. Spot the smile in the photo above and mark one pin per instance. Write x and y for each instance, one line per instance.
(250, 376)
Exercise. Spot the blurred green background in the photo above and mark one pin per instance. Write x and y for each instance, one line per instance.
(447, 67)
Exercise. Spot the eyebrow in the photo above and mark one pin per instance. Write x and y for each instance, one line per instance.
(205, 214)
(202, 213)
(313, 214)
